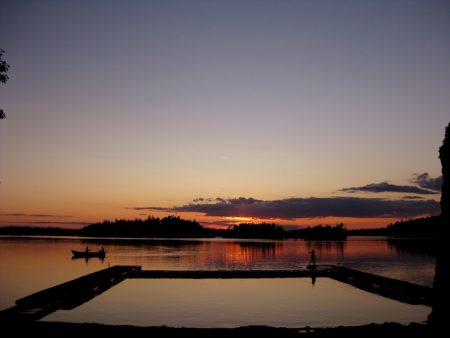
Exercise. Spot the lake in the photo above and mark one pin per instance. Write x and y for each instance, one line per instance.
(30, 264)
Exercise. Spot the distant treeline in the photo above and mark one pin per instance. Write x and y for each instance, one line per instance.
(38, 231)
(251, 230)
(337, 232)
(172, 227)
(421, 227)
(412, 228)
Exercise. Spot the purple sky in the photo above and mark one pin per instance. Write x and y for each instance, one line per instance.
(115, 105)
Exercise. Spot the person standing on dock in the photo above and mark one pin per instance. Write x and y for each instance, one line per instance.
(87, 249)
(313, 257)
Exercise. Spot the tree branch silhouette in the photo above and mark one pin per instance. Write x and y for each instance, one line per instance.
(4, 67)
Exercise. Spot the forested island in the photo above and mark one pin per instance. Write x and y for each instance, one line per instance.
(176, 227)
(338, 232)
(426, 227)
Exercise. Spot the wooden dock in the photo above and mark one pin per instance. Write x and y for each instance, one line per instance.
(228, 274)
(387, 287)
(68, 295)
(80, 290)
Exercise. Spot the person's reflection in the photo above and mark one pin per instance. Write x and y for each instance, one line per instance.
(313, 279)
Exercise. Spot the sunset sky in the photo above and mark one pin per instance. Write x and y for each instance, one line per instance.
(294, 112)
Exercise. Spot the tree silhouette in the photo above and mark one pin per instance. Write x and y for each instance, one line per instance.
(3, 76)
(252, 230)
(441, 299)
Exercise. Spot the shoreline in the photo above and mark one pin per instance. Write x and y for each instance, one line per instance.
(68, 330)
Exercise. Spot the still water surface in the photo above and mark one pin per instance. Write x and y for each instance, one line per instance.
(282, 302)
(31, 264)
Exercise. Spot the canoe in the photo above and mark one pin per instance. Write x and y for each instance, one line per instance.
(100, 254)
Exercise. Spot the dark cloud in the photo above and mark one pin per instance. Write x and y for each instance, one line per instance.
(239, 200)
(231, 200)
(205, 201)
(292, 208)
(387, 187)
(145, 208)
(36, 215)
(425, 181)
(412, 197)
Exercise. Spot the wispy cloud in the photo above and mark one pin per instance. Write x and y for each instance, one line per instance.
(224, 224)
(312, 207)
(36, 215)
(53, 222)
(408, 197)
(388, 187)
(425, 181)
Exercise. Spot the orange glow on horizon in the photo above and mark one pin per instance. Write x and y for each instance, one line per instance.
(239, 219)
(74, 219)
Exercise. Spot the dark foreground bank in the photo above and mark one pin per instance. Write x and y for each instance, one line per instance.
(69, 330)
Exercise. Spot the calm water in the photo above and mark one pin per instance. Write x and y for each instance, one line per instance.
(32, 264)
(290, 302)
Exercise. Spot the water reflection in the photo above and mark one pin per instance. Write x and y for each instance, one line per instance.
(87, 259)
(30, 264)
(252, 251)
(423, 246)
(152, 242)
(328, 248)
(288, 302)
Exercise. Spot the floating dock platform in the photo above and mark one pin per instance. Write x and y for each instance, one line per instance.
(68, 295)
(80, 290)
(387, 287)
